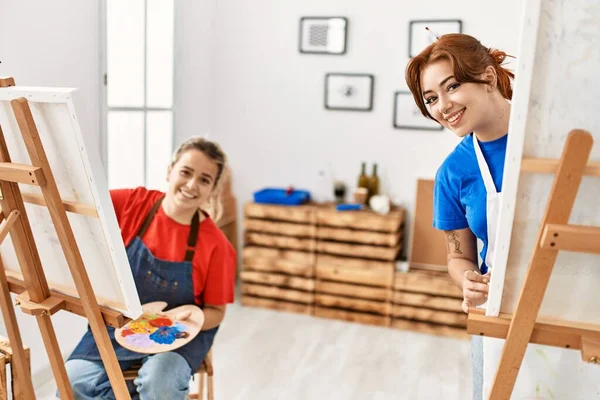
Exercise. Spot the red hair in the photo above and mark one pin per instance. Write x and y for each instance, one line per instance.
(469, 59)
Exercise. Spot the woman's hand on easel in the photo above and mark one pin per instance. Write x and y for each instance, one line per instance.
(475, 289)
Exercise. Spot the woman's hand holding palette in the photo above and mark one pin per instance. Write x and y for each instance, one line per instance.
(157, 331)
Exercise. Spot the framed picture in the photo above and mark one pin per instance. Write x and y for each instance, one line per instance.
(323, 35)
(353, 92)
(419, 37)
(408, 116)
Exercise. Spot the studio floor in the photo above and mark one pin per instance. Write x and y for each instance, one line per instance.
(262, 354)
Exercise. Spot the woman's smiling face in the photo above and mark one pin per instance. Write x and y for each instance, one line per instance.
(191, 180)
(460, 107)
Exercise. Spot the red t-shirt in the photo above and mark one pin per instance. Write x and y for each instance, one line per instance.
(214, 263)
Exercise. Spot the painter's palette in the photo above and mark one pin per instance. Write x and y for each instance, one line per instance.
(157, 331)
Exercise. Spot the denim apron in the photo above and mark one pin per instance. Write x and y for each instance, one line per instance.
(157, 280)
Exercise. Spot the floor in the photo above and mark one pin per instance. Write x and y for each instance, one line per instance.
(263, 354)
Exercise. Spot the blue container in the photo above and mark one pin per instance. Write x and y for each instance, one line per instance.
(280, 196)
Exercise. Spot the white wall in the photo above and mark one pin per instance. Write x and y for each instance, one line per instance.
(194, 67)
(54, 44)
(266, 99)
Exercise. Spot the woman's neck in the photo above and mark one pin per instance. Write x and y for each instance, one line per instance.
(182, 216)
(497, 125)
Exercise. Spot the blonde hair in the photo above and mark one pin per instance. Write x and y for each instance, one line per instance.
(213, 151)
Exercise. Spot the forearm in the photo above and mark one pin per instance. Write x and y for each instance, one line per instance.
(457, 268)
(212, 317)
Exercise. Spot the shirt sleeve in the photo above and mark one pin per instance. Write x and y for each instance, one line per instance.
(220, 279)
(119, 199)
(448, 211)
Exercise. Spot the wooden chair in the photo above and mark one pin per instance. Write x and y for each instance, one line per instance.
(205, 369)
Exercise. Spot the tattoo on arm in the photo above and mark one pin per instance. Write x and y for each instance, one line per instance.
(452, 241)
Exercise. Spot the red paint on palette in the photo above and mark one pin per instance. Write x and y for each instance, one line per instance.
(158, 322)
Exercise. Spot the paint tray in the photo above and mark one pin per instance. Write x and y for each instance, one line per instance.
(281, 196)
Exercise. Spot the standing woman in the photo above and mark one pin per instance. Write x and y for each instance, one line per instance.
(462, 85)
(177, 255)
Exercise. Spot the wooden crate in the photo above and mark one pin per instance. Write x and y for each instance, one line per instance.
(278, 262)
(360, 234)
(352, 289)
(428, 302)
(356, 253)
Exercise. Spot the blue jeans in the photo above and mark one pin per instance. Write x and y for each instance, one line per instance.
(477, 363)
(162, 376)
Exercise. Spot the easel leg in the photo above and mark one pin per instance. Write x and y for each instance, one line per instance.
(562, 197)
(19, 361)
(55, 357)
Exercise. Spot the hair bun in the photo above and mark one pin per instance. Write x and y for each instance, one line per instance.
(497, 55)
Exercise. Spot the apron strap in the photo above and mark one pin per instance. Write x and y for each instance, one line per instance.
(149, 217)
(486, 175)
(192, 238)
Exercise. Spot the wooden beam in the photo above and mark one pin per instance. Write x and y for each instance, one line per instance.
(590, 349)
(49, 306)
(558, 210)
(72, 304)
(550, 166)
(548, 332)
(70, 206)
(4, 230)
(583, 239)
(21, 173)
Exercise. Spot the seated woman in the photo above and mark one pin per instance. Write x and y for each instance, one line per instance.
(177, 255)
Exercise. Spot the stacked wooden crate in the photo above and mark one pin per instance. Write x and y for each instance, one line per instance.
(428, 302)
(278, 260)
(356, 253)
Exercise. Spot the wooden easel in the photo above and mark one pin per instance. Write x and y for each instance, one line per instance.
(555, 234)
(35, 296)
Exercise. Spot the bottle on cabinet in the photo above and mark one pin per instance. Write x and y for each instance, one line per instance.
(363, 179)
(373, 183)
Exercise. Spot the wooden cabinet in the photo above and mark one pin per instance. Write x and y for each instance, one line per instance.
(356, 253)
(315, 260)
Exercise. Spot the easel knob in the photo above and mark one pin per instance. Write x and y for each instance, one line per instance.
(594, 360)
(6, 81)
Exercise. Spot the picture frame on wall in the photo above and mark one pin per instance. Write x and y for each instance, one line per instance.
(419, 37)
(349, 92)
(323, 35)
(408, 116)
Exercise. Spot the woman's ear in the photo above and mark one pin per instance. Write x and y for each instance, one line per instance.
(491, 76)
(168, 172)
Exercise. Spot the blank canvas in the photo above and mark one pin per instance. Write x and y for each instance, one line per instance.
(80, 178)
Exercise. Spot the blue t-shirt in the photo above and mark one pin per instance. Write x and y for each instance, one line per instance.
(459, 196)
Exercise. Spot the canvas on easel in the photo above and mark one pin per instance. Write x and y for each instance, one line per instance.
(63, 249)
(556, 68)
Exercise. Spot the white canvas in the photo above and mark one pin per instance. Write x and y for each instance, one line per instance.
(80, 178)
(557, 67)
